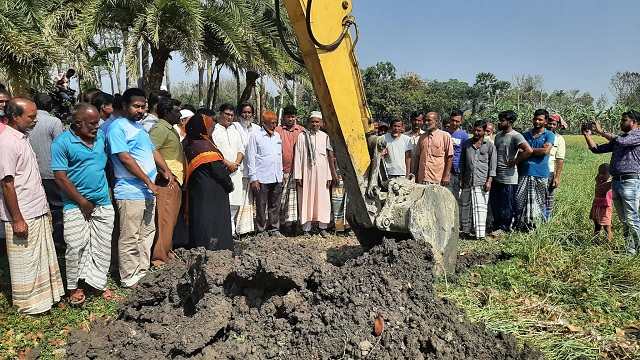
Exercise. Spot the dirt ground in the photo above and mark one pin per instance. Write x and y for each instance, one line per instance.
(294, 298)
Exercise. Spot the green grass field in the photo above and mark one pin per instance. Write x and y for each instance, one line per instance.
(572, 296)
(25, 337)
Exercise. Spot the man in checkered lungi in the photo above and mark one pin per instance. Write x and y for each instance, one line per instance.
(289, 132)
(36, 283)
(534, 174)
(78, 161)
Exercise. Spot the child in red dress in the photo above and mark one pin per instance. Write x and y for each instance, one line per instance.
(602, 207)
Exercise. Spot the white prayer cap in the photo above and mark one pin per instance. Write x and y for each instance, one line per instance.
(186, 113)
(316, 114)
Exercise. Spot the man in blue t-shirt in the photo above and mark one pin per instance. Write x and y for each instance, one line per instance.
(458, 136)
(534, 173)
(78, 161)
(134, 159)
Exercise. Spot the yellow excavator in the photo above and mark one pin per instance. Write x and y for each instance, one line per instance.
(397, 208)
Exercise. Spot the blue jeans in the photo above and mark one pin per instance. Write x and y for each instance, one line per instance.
(626, 200)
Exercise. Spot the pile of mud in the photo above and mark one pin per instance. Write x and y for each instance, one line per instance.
(278, 300)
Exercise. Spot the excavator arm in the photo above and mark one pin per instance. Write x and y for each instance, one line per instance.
(375, 205)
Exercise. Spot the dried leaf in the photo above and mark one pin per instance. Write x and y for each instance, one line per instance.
(57, 342)
(574, 328)
(619, 332)
(378, 325)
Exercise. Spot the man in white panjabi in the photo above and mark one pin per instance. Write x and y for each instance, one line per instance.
(246, 127)
(314, 172)
(229, 141)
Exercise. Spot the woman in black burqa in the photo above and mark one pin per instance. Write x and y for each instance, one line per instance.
(208, 187)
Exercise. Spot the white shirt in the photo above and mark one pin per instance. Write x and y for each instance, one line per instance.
(245, 132)
(414, 137)
(229, 141)
(395, 158)
(264, 157)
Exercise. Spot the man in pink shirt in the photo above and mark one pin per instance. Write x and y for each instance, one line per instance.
(36, 283)
(289, 132)
(433, 154)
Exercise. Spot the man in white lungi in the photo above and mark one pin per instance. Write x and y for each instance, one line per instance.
(246, 126)
(314, 172)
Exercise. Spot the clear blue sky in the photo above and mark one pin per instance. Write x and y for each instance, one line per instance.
(573, 44)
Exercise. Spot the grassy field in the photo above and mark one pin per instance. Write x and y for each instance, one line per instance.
(570, 294)
(26, 337)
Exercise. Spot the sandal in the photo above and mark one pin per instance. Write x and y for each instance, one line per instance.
(77, 297)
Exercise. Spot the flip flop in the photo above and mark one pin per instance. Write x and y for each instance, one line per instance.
(77, 299)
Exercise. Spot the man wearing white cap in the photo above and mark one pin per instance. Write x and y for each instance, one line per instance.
(314, 172)
(185, 115)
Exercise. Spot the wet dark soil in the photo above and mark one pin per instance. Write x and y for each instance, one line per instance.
(277, 299)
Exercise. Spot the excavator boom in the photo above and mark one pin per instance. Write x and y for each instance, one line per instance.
(375, 205)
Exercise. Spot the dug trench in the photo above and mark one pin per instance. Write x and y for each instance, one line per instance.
(277, 299)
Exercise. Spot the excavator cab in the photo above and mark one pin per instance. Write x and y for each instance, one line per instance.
(396, 208)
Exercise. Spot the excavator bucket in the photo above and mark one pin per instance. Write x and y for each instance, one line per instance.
(429, 213)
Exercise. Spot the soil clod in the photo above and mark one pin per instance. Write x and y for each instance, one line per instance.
(280, 300)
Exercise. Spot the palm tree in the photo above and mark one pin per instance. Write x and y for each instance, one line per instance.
(238, 34)
(161, 26)
(243, 36)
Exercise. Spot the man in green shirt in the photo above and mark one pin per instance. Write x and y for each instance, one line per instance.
(169, 198)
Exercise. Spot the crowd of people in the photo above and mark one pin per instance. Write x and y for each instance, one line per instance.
(135, 176)
(502, 181)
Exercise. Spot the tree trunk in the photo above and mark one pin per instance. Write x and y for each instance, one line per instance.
(217, 85)
(209, 70)
(236, 74)
(144, 67)
(129, 80)
(251, 77)
(167, 79)
(117, 63)
(200, 83)
(211, 85)
(295, 92)
(263, 95)
(111, 80)
(153, 76)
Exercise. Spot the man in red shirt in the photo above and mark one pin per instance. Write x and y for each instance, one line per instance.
(289, 131)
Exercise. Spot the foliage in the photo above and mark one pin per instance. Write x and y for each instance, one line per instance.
(626, 86)
(562, 290)
(26, 50)
(188, 94)
(391, 95)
